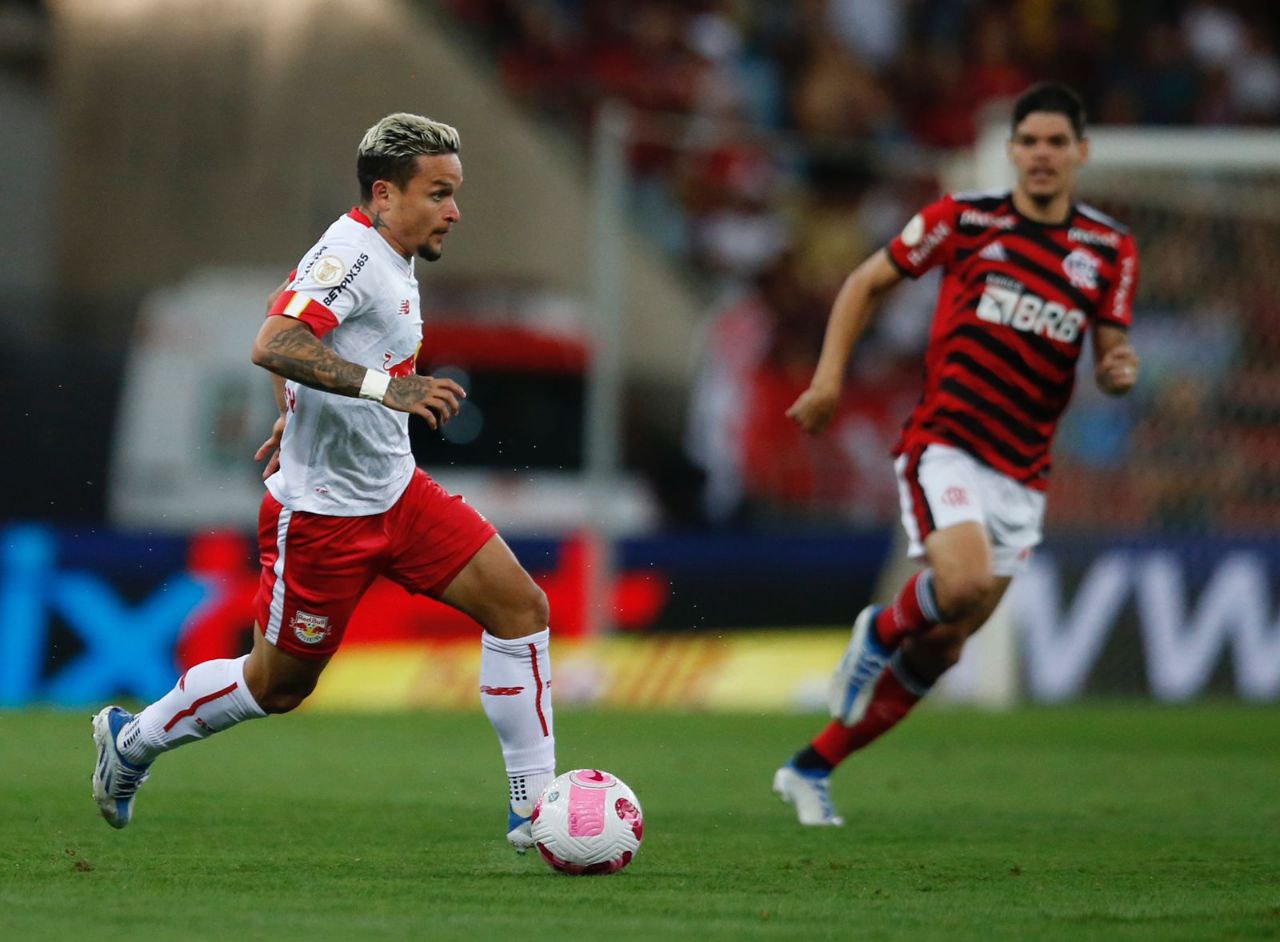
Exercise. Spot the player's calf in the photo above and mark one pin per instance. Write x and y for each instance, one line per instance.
(804, 779)
(935, 652)
(964, 598)
(515, 691)
(208, 698)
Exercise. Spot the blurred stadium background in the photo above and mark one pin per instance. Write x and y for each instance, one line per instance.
(662, 199)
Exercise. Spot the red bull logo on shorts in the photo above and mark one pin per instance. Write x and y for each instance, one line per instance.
(310, 629)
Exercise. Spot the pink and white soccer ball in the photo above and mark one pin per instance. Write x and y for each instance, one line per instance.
(588, 822)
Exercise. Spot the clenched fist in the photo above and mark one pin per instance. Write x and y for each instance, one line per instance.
(1118, 370)
(814, 408)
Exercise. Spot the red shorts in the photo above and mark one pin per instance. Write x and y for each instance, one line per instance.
(315, 567)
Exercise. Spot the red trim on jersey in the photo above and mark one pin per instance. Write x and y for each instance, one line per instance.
(537, 682)
(358, 215)
(199, 703)
(315, 315)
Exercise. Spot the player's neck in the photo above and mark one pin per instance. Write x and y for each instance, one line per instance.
(1052, 212)
(380, 227)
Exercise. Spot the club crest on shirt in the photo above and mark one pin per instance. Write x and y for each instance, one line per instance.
(310, 629)
(328, 270)
(1082, 268)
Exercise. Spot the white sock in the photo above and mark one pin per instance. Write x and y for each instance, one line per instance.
(208, 698)
(515, 689)
(525, 789)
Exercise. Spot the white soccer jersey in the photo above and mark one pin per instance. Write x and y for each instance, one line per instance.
(341, 456)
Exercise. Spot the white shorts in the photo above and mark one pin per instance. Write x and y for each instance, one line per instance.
(940, 486)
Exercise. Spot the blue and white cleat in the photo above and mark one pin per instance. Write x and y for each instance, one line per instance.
(519, 830)
(116, 780)
(855, 676)
(810, 793)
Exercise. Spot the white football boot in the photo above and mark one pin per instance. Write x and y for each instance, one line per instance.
(810, 792)
(519, 830)
(116, 780)
(855, 676)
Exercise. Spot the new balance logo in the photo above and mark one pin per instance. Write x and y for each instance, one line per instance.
(501, 691)
(994, 252)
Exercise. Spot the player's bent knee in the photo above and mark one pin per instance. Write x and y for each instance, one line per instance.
(525, 613)
(277, 703)
(961, 598)
(540, 609)
(534, 611)
(284, 698)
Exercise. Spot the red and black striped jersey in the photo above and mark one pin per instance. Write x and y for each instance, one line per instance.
(1016, 299)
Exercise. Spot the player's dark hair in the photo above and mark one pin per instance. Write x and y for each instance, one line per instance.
(391, 148)
(1053, 97)
(397, 170)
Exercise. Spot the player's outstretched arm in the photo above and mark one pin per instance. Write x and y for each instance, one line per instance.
(1115, 361)
(288, 348)
(850, 314)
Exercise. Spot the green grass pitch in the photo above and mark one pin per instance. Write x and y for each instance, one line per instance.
(1100, 822)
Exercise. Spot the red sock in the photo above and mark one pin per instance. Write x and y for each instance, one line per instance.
(913, 611)
(890, 702)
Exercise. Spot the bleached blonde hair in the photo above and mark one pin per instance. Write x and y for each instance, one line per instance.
(389, 150)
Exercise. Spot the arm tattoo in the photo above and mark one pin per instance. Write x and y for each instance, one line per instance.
(297, 354)
(407, 391)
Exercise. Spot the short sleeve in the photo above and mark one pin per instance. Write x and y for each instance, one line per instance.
(325, 288)
(1116, 308)
(926, 240)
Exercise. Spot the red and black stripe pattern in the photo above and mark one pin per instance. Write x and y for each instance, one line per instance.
(1016, 299)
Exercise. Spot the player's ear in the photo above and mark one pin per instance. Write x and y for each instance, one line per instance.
(1084, 151)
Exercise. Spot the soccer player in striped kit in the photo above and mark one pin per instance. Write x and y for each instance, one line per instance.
(1025, 274)
(345, 501)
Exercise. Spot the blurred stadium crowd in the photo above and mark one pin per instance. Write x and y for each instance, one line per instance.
(915, 70)
(776, 144)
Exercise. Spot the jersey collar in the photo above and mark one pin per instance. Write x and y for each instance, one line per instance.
(359, 216)
(1065, 224)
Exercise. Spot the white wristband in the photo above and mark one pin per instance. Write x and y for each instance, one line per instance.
(375, 385)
